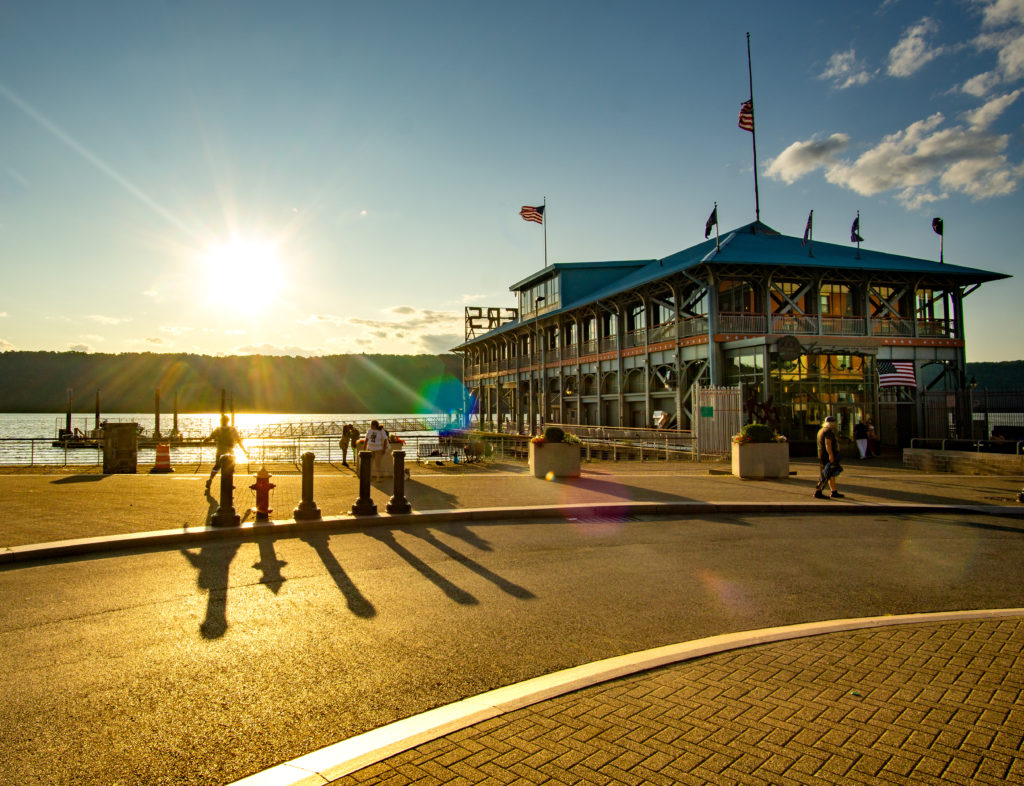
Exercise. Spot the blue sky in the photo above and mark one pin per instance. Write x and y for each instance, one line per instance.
(312, 178)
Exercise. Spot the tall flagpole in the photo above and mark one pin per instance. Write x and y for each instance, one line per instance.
(753, 132)
(544, 213)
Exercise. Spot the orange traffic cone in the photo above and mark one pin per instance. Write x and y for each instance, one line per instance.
(163, 459)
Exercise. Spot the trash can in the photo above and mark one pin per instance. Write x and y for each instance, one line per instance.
(120, 448)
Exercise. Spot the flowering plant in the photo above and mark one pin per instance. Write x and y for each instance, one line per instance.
(395, 440)
(756, 432)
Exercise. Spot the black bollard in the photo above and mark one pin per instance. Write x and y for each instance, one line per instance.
(398, 503)
(364, 506)
(225, 515)
(307, 509)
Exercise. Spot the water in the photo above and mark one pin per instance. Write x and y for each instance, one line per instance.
(25, 438)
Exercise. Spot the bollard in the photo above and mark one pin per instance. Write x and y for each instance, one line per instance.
(225, 515)
(307, 509)
(364, 505)
(398, 503)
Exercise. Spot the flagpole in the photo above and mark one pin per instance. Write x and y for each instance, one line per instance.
(753, 132)
(858, 234)
(718, 246)
(544, 213)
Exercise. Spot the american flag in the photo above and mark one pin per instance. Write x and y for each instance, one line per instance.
(808, 229)
(895, 373)
(535, 214)
(855, 231)
(747, 116)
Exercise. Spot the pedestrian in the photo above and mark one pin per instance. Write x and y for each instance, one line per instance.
(349, 436)
(860, 436)
(872, 440)
(376, 443)
(226, 438)
(828, 458)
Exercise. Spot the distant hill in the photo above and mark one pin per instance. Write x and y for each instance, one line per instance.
(1004, 375)
(38, 382)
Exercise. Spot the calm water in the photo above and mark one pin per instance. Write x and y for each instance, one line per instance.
(25, 438)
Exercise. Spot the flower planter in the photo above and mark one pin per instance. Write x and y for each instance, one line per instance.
(387, 462)
(554, 460)
(760, 460)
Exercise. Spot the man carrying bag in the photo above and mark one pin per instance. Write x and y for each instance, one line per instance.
(828, 458)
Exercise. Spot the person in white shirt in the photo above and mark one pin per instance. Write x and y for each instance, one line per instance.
(377, 443)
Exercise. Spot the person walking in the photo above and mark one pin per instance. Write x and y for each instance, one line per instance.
(349, 436)
(226, 438)
(377, 443)
(860, 436)
(828, 458)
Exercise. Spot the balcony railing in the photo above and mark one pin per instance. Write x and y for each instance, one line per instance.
(794, 324)
(635, 338)
(609, 343)
(842, 326)
(694, 326)
(892, 327)
(936, 328)
(742, 323)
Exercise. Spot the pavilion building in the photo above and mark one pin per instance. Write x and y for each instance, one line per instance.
(806, 329)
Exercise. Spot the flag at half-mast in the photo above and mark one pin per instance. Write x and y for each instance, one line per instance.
(809, 229)
(531, 213)
(747, 116)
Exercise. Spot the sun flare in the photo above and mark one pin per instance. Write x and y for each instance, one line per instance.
(242, 274)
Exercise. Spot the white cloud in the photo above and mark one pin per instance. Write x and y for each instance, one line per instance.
(472, 298)
(105, 320)
(966, 159)
(402, 310)
(175, 330)
(7, 346)
(156, 341)
(801, 158)
(274, 349)
(3, 313)
(1004, 23)
(322, 319)
(844, 71)
(912, 52)
(983, 116)
(79, 348)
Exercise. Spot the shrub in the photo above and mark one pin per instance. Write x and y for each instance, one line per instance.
(757, 432)
(553, 434)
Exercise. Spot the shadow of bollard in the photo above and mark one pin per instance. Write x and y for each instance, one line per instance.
(364, 505)
(307, 509)
(225, 515)
(398, 503)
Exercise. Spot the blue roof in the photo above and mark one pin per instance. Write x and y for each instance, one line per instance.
(758, 244)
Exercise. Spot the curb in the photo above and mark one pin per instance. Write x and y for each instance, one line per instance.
(290, 527)
(345, 757)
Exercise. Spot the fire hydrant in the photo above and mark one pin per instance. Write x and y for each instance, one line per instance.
(262, 487)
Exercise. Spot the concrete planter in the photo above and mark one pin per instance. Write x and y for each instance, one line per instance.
(760, 460)
(387, 462)
(554, 459)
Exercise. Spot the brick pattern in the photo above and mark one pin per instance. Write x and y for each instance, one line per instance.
(922, 704)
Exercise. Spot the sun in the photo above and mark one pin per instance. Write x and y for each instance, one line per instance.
(242, 274)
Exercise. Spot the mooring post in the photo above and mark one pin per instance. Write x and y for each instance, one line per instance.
(364, 506)
(398, 503)
(225, 515)
(307, 509)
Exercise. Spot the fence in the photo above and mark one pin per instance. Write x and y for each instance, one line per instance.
(717, 416)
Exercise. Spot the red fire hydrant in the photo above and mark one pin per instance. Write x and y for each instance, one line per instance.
(262, 487)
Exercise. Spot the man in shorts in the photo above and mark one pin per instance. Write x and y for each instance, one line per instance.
(226, 439)
(828, 458)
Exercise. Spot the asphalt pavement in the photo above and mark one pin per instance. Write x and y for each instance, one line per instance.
(136, 655)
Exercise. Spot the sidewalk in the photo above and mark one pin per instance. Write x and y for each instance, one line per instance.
(40, 508)
(923, 699)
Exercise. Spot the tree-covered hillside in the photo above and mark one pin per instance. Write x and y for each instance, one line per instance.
(38, 382)
(1004, 375)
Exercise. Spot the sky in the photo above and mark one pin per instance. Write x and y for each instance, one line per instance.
(312, 178)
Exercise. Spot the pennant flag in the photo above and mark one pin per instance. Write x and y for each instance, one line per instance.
(747, 116)
(855, 231)
(712, 221)
(937, 226)
(535, 214)
(808, 228)
(896, 373)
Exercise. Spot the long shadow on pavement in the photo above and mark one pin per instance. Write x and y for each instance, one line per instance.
(457, 594)
(357, 602)
(213, 562)
(502, 583)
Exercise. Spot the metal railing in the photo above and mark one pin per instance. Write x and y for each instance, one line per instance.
(843, 326)
(969, 445)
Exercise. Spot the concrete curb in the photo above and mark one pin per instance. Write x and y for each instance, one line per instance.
(342, 758)
(288, 528)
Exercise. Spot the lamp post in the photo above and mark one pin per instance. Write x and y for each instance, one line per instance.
(540, 397)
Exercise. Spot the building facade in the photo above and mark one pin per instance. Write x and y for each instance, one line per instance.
(805, 329)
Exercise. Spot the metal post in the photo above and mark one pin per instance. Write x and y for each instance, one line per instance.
(364, 505)
(225, 515)
(307, 509)
(398, 503)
